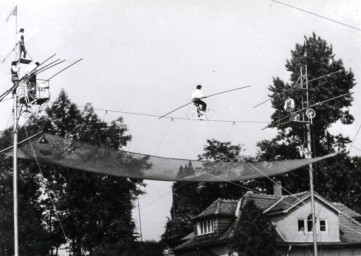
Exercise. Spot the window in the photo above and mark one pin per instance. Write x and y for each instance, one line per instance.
(301, 225)
(205, 227)
(323, 226)
(306, 224)
(309, 223)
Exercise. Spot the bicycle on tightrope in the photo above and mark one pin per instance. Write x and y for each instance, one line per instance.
(194, 112)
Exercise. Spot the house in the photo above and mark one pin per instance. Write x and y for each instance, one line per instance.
(338, 227)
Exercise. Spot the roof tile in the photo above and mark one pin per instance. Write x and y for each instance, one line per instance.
(220, 207)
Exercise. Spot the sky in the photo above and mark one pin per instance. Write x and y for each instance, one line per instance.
(147, 57)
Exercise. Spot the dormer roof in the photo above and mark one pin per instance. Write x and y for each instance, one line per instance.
(262, 201)
(286, 203)
(220, 207)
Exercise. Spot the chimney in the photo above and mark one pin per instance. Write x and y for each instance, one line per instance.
(277, 188)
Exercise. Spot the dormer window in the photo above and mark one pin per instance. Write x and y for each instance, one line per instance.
(323, 226)
(309, 223)
(301, 225)
(305, 225)
(205, 227)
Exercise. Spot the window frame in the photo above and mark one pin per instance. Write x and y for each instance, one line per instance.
(309, 223)
(306, 223)
(205, 227)
(326, 226)
(298, 225)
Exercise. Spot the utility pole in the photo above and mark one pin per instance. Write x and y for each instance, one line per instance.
(15, 159)
(15, 170)
(310, 114)
(23, 97)
(140, 223)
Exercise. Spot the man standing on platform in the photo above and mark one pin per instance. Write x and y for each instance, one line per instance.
(21, 43)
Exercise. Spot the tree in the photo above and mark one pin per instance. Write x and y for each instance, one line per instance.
(223, 152)
(254, 233)
(190, 198)
(94, 210)
(320, 61)
(318, 55)
(339, 180)
(182, 211)
(33, 239)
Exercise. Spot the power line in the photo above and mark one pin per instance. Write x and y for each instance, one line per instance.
(302, 109)
(296, 86)
(354, 138)
(317, 15)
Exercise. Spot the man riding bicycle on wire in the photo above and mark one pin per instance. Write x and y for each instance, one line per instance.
(196, 98)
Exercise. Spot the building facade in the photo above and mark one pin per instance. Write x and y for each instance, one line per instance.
(337, 227)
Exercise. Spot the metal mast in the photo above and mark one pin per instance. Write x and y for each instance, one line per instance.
(304, 81)
(15, 142)
(140, 223)
(15, 173)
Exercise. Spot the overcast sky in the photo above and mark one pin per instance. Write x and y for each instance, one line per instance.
(148, 56)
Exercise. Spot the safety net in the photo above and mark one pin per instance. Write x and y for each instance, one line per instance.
(99, 159)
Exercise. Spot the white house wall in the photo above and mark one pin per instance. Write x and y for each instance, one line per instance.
(324, 252)
(287, 224)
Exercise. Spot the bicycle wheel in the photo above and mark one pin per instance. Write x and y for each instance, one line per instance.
(191, 113)
(211, 114)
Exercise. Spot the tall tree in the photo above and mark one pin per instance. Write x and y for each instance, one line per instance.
(190, 198)
(95, 210)
(254, 233)
(320, 61)
(328, 79)
(339, 180)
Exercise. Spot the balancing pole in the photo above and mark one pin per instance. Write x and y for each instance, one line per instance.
(204, 98)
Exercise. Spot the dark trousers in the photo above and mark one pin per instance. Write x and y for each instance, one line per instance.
(22, 50)
(200, 102)
(14, 77)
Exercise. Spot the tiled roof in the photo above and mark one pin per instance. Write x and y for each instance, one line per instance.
(347, 210)
(207, 240)
(262, 201)
(220, 207)
(287, 202)
(350, 229)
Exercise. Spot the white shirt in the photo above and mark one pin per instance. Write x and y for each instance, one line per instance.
(15, 68)
(289, 105)
(197, 94)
